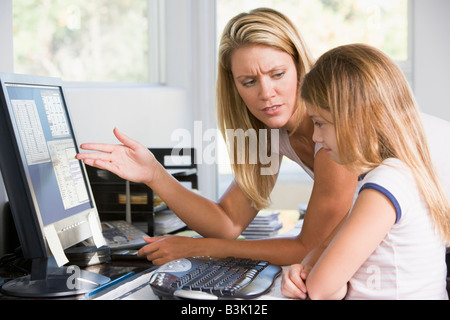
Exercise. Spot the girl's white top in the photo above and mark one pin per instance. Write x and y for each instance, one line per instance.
(410, 261)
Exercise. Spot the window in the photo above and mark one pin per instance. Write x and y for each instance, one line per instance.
(84, 40)
(325, 24)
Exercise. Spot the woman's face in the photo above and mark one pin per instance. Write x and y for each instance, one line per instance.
(266, 79)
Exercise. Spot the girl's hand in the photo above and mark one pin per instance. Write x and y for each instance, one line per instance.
(293, 281)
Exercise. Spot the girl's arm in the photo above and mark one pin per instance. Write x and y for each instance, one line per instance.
(372, 216)
(294, 278)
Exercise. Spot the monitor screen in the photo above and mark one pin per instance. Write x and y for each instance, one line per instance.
(47, 141)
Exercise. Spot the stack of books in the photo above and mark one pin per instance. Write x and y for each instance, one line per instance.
(166, 222)
(265, 225)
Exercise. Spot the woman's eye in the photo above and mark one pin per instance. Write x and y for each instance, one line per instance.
(278, 75)
(248, 83)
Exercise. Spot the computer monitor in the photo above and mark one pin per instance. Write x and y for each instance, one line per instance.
(48, 189)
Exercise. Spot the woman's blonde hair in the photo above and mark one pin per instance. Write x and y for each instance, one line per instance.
(270, 28)
(376, 118)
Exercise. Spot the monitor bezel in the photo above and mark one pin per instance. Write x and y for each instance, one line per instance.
(26, 214)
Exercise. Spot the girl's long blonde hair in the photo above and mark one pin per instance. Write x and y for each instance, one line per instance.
(270, 28)
(376, 118)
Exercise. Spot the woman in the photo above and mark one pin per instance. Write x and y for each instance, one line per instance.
(261, 61)
(392, 245)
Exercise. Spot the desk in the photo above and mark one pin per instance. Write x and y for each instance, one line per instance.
(113, 270)
(136, 286)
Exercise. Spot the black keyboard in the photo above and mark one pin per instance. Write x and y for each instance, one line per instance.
(211, 278)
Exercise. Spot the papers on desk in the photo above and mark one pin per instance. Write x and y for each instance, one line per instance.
(265, 225)
(166, 221)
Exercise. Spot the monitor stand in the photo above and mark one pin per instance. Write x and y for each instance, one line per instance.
(47, 280)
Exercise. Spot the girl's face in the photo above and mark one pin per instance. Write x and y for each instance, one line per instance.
(324, 132)
(266, 79)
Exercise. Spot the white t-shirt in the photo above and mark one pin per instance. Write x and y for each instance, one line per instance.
(410, 261)
(287, 150)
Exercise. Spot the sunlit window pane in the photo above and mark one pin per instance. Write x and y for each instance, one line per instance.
(82, 40)
(328, 23)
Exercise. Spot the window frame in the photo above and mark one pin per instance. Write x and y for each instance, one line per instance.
(186, 75)
(407, 65)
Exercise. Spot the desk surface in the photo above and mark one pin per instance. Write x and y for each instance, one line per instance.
(136, 286)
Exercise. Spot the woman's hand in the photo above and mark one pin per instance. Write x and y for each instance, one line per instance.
(161, 250)
(130, 161)
(293, 281)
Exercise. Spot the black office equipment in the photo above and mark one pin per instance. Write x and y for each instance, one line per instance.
(48, 189)
(180, 162)
(115, 196)
(118, 199)
(122, 235)
(209, 278)
(84, 256)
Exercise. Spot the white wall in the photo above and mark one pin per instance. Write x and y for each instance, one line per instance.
(6, 65)
(431, 68)
(149, 115)
(6, 39)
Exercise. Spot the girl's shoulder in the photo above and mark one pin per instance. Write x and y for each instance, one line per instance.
(394, 179)
(391, 169)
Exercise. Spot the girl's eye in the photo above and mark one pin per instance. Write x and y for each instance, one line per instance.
(318, 124)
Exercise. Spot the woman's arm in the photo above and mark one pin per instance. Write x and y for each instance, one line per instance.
(134, 162)
(372, 216)
(331, 199)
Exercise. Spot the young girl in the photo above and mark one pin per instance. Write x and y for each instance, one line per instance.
(392, 245)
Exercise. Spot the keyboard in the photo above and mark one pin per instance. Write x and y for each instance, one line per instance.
(209, 278)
